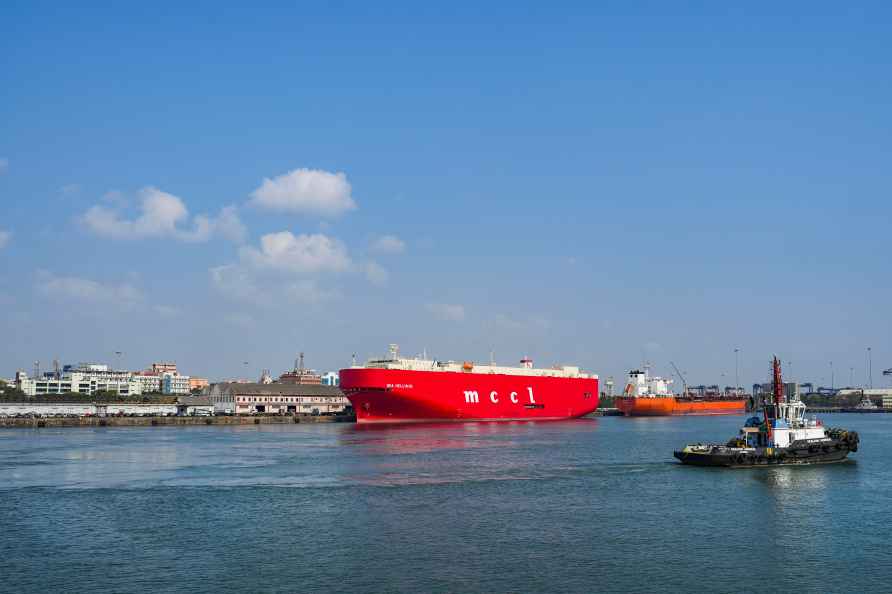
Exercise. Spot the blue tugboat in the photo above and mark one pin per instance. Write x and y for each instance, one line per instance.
(781, 436)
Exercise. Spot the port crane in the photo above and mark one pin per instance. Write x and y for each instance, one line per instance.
(684, 382)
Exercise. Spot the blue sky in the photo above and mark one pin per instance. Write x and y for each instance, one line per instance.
(583, 184)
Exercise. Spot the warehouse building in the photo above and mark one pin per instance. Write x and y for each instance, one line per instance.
(276, 398)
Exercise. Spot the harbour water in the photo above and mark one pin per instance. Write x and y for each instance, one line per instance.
(576, 506)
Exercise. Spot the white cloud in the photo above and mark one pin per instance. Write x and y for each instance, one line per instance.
(161, 215)
(227, 225)
(5, 236)
(85, 291)
(306, 191)
(284, 268)
(375, 273)
(285, 251)
(447, 311)
(388, 244)
(237, 283)
(4, 165)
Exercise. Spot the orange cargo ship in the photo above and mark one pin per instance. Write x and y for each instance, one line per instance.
(647, 396)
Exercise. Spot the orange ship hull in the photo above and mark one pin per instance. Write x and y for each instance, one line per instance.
(665, 406)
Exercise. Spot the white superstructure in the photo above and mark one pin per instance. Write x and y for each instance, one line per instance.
(641, 385)
(791, 425)
(394, 361)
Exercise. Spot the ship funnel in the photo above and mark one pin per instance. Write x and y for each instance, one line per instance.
(526, 362)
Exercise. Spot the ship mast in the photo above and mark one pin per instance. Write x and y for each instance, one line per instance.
(777, 396)
(778, 382)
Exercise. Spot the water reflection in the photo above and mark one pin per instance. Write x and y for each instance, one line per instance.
(444, 453)
(788, 481)
(417, 438)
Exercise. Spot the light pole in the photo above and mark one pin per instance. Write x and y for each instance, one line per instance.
(851, 377)
(831, 375)
(869, 369)
(737, 371)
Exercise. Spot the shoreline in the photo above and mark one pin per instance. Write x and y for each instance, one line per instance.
(159, 421)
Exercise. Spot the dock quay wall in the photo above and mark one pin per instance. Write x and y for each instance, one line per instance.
(835, 409)
(173, 421)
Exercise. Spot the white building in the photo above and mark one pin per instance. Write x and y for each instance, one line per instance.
(141, 410)
(331, 379)
(149, 383)
(86, 379)
(172, 383)
(11, 409)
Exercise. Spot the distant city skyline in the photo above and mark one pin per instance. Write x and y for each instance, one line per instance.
(595, 185)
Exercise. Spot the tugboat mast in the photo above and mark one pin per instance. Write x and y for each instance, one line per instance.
(785, 436)
(777, 396)
(778, 382)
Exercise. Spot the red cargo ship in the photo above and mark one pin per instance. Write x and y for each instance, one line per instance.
(395, 390)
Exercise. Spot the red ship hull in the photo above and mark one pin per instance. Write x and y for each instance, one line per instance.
(401, 396)
(671, 406)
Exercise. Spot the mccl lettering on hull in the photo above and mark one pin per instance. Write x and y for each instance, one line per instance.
(394, 389)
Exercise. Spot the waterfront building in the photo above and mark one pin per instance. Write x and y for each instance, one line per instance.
(150, 383)
(45, 409)
(331, 379)
(190, 406)
(882, 396)
(134, 409)
(276, 398)
(173, 383)
(87, 378)
(197, 383)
